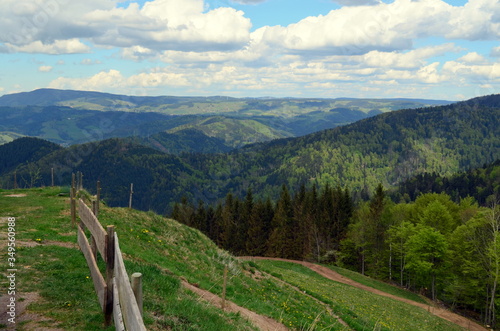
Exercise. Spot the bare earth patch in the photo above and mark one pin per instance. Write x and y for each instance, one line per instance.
(29, 321)
(330, 274)
(15, 195)
(264, 323)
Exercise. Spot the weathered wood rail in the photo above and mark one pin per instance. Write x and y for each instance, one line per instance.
(114, 291)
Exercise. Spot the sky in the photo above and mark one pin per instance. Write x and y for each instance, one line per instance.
(431, 49)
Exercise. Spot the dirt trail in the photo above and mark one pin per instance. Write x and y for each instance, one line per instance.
(330, 274)
(264, 323)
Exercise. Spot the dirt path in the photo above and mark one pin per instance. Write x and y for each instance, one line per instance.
(330, 274)
(264, 323)
(28, 320)
(23, 316)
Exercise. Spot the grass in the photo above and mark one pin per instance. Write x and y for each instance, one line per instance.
(378, 284)
(185, 252)
(166, 252)
(62, 279)
(360, 309)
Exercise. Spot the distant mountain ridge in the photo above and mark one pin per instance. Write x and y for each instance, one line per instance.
(109, 101)
(70, 117)
(388, 149)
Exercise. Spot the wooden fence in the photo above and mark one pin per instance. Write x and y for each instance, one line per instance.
(115, 293)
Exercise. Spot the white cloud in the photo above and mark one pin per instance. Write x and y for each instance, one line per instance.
(32, 26)
(429, 74)
(138, 53)
(71, 46)
(473, 57)
(61, 27)
(495, 52)
(358, 30)
(248, 2)
(476, 20)
(172, 25)
(357, 2)
(473, 72)
(412, 59)
(89, 62)
(45, 68)
(113, 80)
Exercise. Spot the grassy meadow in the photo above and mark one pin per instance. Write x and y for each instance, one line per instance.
(166, 253)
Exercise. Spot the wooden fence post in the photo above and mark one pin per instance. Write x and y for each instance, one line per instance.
(224, 289)
(110, 267)
(73, 200)
(131, 193)
(81, 181)
(15, 180)
(98, 198)
(52, 176)
(137, 289)
(93, 243)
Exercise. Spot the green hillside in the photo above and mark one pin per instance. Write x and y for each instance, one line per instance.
(283, 107)
(70, 117)
(234, 132)
(7, 137)
(168, 253)
(387, 149)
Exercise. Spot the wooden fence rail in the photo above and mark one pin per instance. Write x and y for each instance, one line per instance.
(114, 291)
(131, 313)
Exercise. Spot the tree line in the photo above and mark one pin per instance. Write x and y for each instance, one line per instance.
(304, 225)
(446, 250)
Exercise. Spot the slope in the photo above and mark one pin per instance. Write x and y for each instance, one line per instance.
(166, 253)
(480, 183)
(387, 149)
(294, 276)
(283, 107)
(24, 150)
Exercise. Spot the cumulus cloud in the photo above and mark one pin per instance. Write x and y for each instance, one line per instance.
(114, 80)
(475, 72)
(476, 20)
(172, 25)
(248, 2)
(39, 26)
(89, 62)
(495, 52)
(473, 57)
(357, 2)
(412, 59)
(45, 68)
(358, 30)
(71, 46)
(159, 25)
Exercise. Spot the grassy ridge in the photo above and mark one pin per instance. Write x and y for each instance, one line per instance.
(377, 284)
(61, 276)
(166, 252)
(360, 309)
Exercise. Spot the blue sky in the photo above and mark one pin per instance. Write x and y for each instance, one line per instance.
(315, 48)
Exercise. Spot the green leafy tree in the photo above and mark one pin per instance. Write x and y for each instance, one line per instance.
(427, 255)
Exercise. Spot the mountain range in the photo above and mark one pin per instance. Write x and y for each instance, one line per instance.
(388, 148)
(74, 117)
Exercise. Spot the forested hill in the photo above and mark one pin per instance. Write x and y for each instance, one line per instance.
(390, 147)
(481, 183)
(387, 149)
(24, 150)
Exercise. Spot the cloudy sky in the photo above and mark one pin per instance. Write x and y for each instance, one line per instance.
(299, 48)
